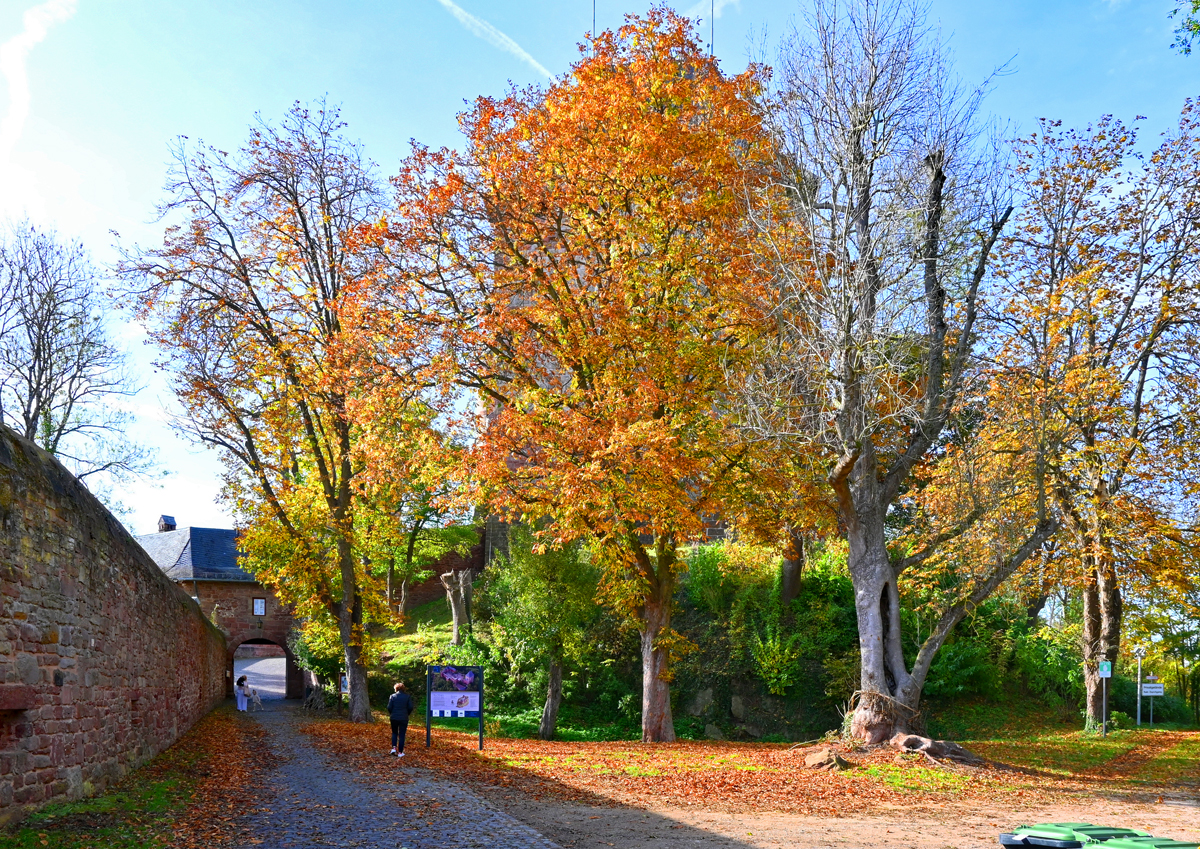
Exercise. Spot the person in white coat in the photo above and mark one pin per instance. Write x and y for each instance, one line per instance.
(241, 693)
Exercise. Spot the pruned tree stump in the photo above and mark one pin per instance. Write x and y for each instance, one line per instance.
(934, 750)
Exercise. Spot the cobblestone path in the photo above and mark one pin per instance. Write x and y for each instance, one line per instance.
(313, 801)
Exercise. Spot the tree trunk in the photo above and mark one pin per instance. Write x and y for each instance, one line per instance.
(391, 585)
(553, 700)
(793, 568)
(456, 597)
(350, 620)
(657, 724)
(404, 597)
(887, 704)
(1034, 609)
(1102, 611)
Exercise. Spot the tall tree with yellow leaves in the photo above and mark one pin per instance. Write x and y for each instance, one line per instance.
(254, 299)
(589, 256)
(1099, 328)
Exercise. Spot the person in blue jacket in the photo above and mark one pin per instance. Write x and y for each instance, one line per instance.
(400, 705)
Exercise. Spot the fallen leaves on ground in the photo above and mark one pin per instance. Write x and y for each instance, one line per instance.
(233, 755)
(190, 796)
(703, 775)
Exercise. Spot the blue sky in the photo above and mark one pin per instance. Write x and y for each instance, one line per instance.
(87, 111)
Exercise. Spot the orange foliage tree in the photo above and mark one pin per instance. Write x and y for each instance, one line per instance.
(587, 254)
(1099, 330)
(253, 299)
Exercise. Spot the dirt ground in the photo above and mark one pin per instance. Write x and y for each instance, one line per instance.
(576, 826)
(737, 796)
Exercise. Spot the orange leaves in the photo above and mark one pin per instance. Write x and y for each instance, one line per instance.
(590, 256)
(706, 775)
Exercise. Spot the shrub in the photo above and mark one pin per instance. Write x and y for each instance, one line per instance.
(963, 668)
(1051, 665)
(776, 660)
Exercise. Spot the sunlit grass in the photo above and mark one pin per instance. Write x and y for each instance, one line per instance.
(917, 779)
(1178, 764)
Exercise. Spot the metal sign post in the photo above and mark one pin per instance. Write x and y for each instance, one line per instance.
(1151, 689)
(1139, 653)
(428, 703)
(1105, 672)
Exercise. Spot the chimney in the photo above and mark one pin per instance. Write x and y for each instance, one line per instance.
(166, 523)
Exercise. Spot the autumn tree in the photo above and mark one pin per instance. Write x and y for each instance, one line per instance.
(253, 299)
(1098, 321)
(62, 376)
(895, 211)
(588, 254)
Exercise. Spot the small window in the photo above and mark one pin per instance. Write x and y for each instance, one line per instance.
(260, 607)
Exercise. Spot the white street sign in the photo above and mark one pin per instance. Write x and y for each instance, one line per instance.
(1152, 690)
(1106, 669)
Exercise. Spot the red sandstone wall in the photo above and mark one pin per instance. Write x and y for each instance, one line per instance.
(104, 662)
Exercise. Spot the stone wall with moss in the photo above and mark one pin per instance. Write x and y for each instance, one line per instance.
(104, 662)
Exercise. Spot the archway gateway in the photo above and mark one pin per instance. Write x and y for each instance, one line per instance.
(269, 668)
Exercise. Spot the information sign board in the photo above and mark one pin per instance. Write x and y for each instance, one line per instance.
(1105, 669)
(453, 691)
(1152, 690)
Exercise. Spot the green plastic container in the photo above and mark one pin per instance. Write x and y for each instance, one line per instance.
(1073, 835)
(1149, 843)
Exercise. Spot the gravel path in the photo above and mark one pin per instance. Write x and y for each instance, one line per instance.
(313, 801)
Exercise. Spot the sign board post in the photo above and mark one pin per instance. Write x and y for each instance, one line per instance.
(1105, 672)
(453, 691)
(1152, 688)
(1139, 652)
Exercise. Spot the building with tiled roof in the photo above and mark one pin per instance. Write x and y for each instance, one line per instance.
(205, 562)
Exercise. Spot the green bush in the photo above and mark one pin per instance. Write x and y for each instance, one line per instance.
(1051, 665)
(963, 668)
(776, 660)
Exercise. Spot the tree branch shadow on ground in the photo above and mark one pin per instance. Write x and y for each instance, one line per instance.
(573, 817)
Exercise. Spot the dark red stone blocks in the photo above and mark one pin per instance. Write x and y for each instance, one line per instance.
(87, 620)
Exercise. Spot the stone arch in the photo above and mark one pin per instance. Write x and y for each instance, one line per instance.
(293, 674)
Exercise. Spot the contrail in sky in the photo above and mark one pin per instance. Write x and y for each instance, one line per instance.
(492, 35)
(13, 52)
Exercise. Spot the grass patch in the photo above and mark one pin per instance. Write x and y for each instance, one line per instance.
(426, 628)
(991, 720)
(1063, 753)
(188, 793)
(918, 779)
(138, 813)
(1179, 764)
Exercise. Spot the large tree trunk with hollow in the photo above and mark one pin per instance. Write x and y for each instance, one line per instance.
(888, 701)
(553, 701)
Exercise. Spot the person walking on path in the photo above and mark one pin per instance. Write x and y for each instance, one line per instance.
(400, 706)
(239, 691)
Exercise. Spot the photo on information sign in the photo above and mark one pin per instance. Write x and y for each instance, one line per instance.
(455, 690)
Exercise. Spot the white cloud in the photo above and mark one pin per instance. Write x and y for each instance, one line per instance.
(13, 53)
(493, 36)
(710, 7)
